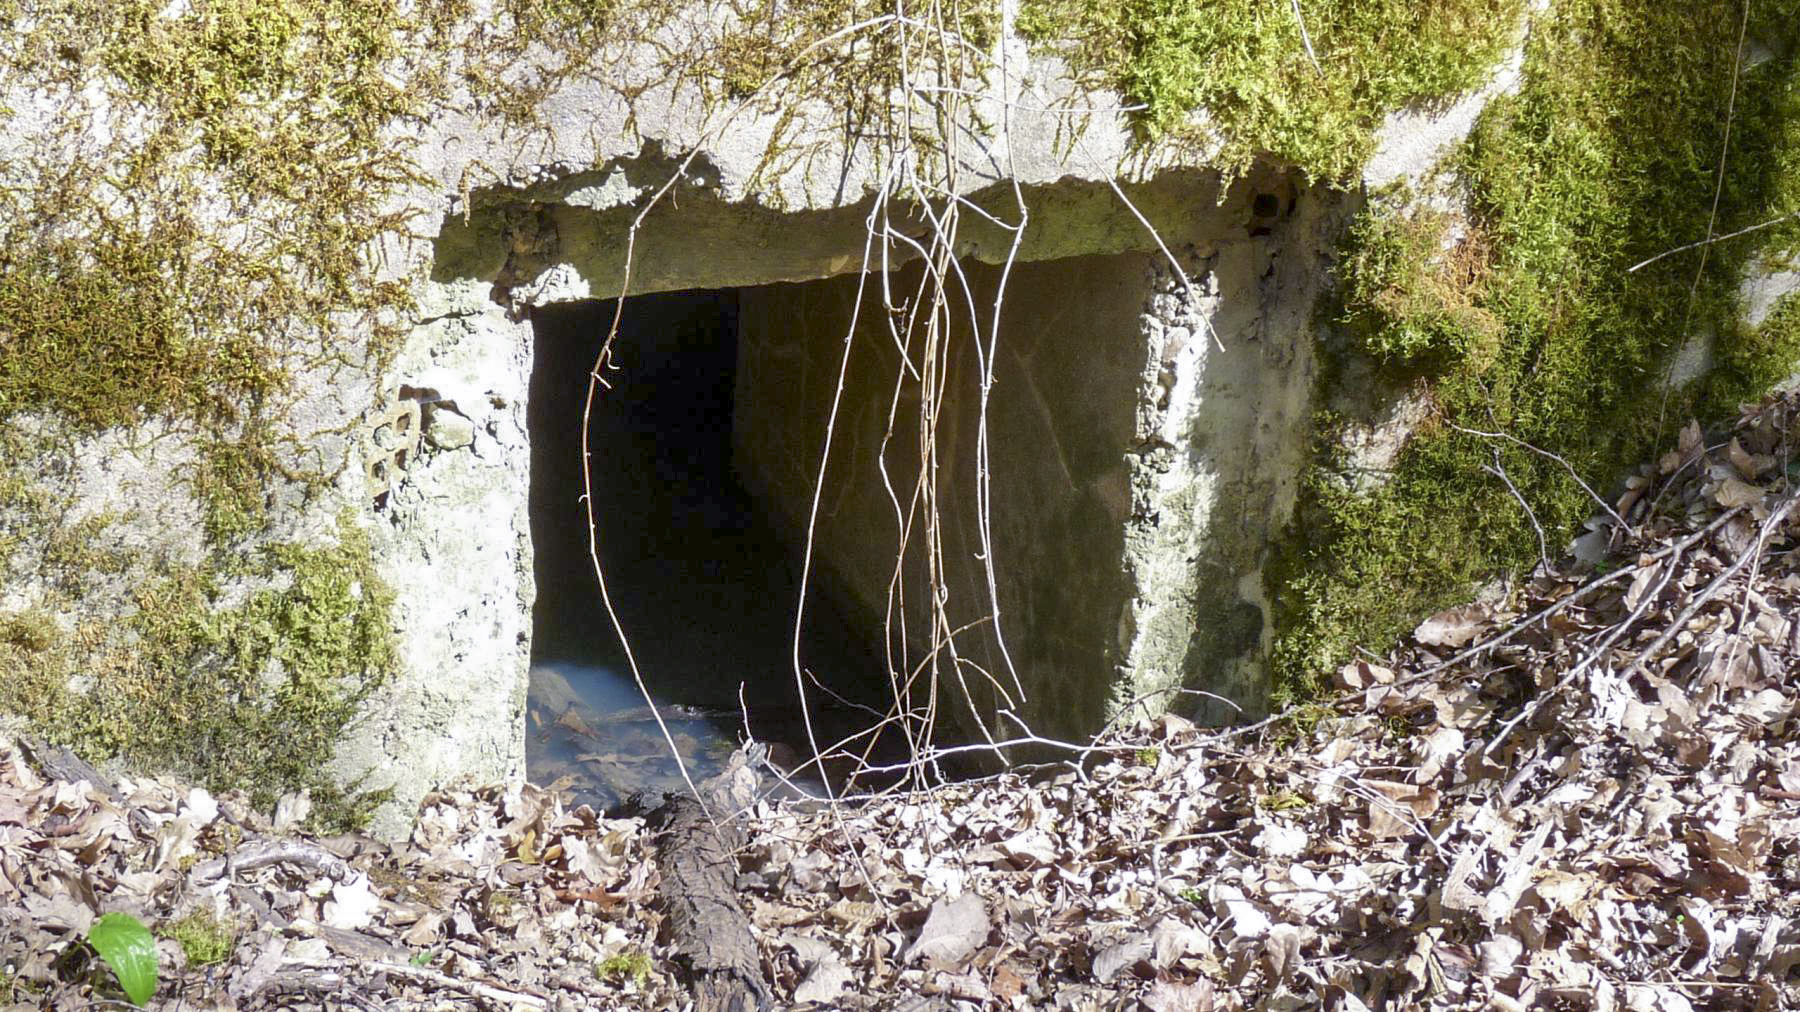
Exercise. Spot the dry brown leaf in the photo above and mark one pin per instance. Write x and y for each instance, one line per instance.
(1692, 439)
(352, 904)
(1397, 809)
(1454, 627)
(1438, 748)
(952, 930)
(1246, 920)
(1362, 674)
(1459, 893)
(1007, 984)
(1173, 996)
(825, 981)
(1732, 494)
(1122, 955)
(1514, 877)
(1034, 847)
(1646, 578)
(1500, 956)
(1280, 840)
(1173, 941)
(1740, 459)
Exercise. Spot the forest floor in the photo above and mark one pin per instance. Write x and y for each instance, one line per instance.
(1584, 793)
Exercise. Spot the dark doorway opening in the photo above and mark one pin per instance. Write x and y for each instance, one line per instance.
(702, 583)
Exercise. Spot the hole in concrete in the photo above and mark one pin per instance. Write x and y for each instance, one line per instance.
(702, 585)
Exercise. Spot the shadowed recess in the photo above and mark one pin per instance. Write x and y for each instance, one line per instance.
(703, 587)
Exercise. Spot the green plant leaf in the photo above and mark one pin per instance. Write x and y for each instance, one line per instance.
(126, 945)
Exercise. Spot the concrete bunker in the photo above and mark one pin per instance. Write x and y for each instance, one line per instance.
(1110, 468)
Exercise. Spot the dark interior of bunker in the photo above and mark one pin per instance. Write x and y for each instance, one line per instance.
(702, 585)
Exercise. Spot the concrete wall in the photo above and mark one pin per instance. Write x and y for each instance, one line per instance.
(1060, 420)
(1144, 433)
(1144, 439)
(1143, 444)
(452, 538)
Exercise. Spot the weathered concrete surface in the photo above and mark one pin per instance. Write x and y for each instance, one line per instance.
(1058, 426)
(1143, 444)
(451, 535)
(1145, 436)
(700, 240)
(1764, 288)
(1028, 122)
(1225, 425)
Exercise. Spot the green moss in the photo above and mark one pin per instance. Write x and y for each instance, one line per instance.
(809, 45)
(512, 80)
(629, 965)
(232, 483)
(1300, 724)
(1282, 801)
(1757, 358)
(252, 667)
(1607, 156)
(1245, 63)
(856, 58)
(30, 631)
(14, 988)
(77, 550)
(204, 939)
(96, 336)
(1416, 278)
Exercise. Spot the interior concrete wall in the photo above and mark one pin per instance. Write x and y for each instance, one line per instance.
(1060, 421)
(1145, 434)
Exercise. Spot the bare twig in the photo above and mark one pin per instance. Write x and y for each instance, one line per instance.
(1530, 709)
(1499, 471)
(265, 853)
(1558, 458)
(1696, 244)
(1702, 597)
(505, 997)
(1306, 40)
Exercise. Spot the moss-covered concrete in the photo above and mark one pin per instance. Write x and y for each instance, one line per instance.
(240, 672)
(1307, 84)
(215, 222)
(1506, 302)
(189, 221)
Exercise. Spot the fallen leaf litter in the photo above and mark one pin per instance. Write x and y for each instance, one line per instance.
(1585, 796)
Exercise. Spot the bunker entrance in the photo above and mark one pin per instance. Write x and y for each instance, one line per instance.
(699, 578)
